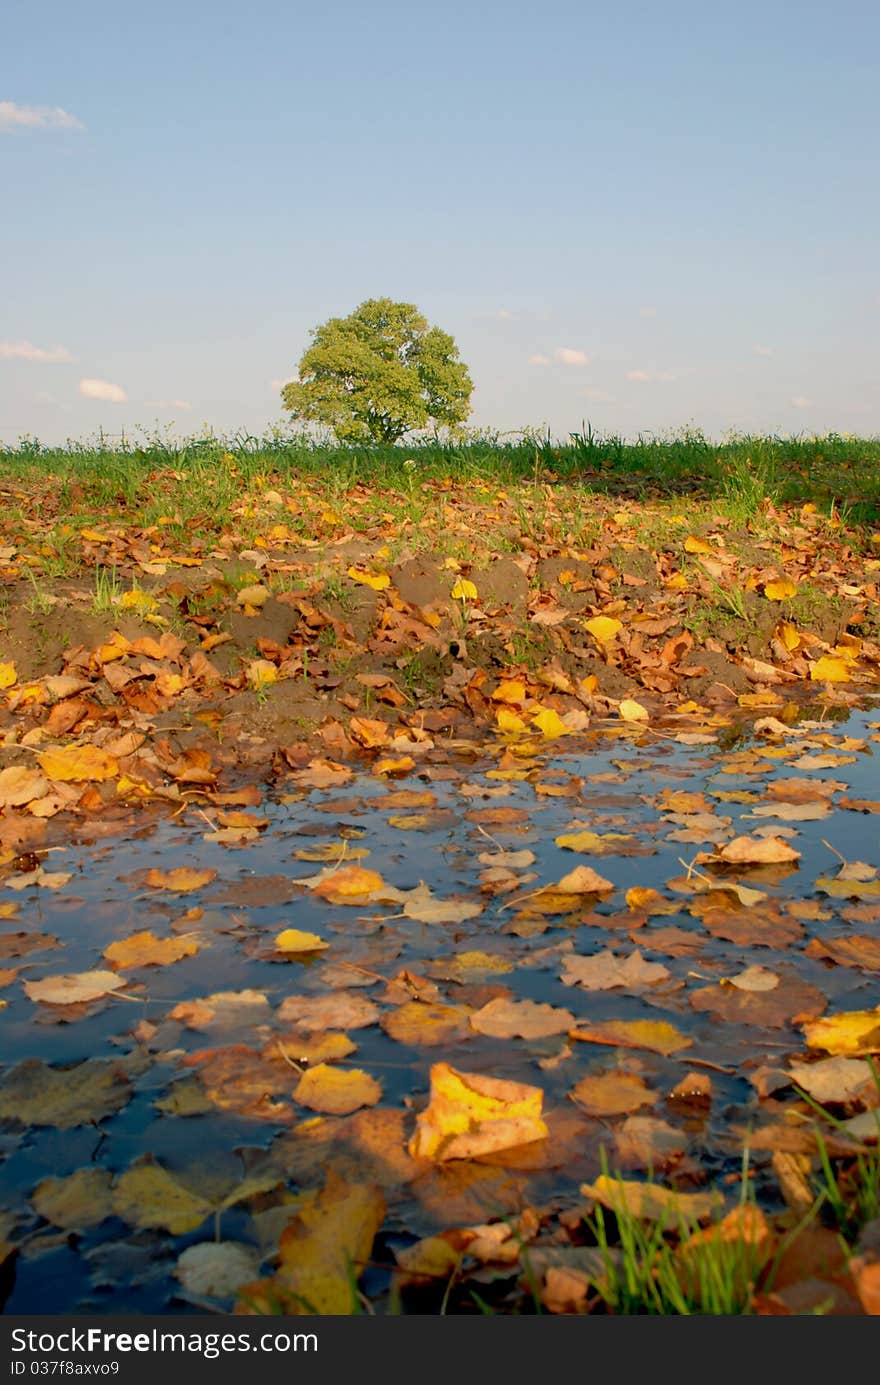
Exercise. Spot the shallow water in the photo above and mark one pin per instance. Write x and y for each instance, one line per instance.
(114, 1268)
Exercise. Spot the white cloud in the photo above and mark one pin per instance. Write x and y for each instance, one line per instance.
(14, 117)
(644, 377)
(598, 396)
(800, 401)
(26, 351)
(102, 389)
(762, 350)
(495, 315)
(538, 359)
(567, 355)
(163, 403)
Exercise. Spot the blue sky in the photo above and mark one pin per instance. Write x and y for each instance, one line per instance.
(647, 215)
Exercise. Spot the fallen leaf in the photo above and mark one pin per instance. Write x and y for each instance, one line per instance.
(180, 880)
(833, 1080)
(146, 950)
(524, 1019)
(216, 1269)
(336, 1091)
(77, 763)
(293, 940)
(612, 1093)
(651, 1201)
(424, 1024)
(852, 1032)
(36, 1094)
(658, 1036)
(604, 970)
(469, 1114)
(74, 1203)
(74, 989)
(147, 1195)
(783, 589)
(757, 851)
(20, 785)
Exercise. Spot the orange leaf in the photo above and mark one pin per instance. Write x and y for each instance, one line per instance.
(77, 763)
(180, 880)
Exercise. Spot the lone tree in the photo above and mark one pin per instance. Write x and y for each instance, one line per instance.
(379, 373)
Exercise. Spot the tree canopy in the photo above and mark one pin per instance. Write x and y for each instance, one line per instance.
(379, 373)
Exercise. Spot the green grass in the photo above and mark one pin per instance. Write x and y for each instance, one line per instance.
(199, 479)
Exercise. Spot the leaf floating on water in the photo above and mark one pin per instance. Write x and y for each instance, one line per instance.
(336, 1091)
(74, 989)
(469, 1114)
(216, 1269)
(77, 1202)
(147, 1195)
(604, 970)
(36, 1094)
(180, 880)
(146, 950)
(658, 1036)
(612, 1094)
(293, 940)
(523, 1019)
(323, 1251)
(424, 1024)
(852, 1032)
(757, 851)
(831, 1080)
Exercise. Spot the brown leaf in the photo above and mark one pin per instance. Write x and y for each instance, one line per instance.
(612, 1093)
(757, 851)
(146, 950)
(524, 1019)
(604, 970)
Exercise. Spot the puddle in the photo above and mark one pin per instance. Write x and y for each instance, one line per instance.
(458, 843)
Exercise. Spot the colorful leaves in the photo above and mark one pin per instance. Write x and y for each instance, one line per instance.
(469, 1114)
(377, 580)
(604, 629)
(294, 940)
(780, 589)
(658, 1036)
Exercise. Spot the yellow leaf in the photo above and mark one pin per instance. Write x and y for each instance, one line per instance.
(694, 545)
(509, 722)
(377, 580)
(789, 635)
(326, 1246)
(93, 536)
(180, 880)
(657, 1036)
(137, 600)
(510, 690)
(583, 880)
(463, 590)
(147, 1195)
(469, 1114)
(8, 675)
(169, 684)
(677, 582)
(829, 669)
(603, 628)
(780, 590)
(651, 1202)
(144, 949)
(549, 723)
(260, 672)
(294, 940)
(402, 765)
(256, 596)
(115, 648)
(629, 710)
(336, 1091)
(349, 882)
(852, 1032)
(74, 763)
